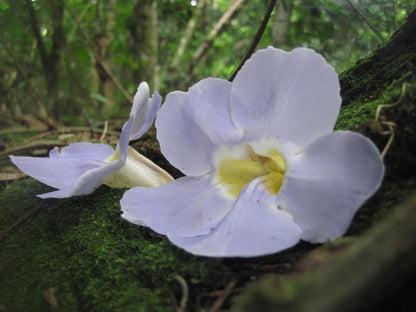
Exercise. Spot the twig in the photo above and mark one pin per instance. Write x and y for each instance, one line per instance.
(185, 293)
(217, 29)
(104, 131)
(257, 38)
(34, 145)
(390, 124)
(224, 295)
(38, 136)
(366, 20)
(97, 58)
(187, 34)
(24, 146)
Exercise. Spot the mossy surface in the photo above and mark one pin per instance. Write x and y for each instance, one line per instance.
(400, 159)
(96, 260)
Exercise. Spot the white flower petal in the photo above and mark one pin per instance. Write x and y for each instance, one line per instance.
(92, 179)
(254, 227)
(78, 169)
(293, 96)
(190, 125)
(327, 183)
(83, 150)
(61, 193)
(143, 110)
(87, 182)
(186, 207)
(58, 173)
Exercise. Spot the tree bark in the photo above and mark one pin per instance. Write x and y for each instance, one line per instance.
(371, 75)
(143, 31)
(105, 12)
(368, 275)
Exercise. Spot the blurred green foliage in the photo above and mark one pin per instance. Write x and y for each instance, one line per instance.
(333, 28)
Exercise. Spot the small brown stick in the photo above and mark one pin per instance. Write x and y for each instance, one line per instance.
(31, 146)
(185, 293)
(257, 38)
(366, 20)
(224, 295)
(389, 124)
(104, 131)
(38, 136)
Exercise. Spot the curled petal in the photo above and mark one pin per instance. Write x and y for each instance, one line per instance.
(254, 227)
(185, 207)
(92, 179)
(190, 125)
(329, 181)
(143, 111)
(293, 96)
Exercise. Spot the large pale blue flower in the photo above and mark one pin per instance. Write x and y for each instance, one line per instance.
(263, 167)
(79, 168)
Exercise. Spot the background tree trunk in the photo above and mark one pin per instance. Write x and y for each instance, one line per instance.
(50, 60)
(281, 23)
(104, 36)
(143, 30)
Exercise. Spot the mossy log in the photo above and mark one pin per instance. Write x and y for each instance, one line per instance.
(369, 78)
(375, 270)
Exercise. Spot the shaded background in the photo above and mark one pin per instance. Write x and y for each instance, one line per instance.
(68, 60)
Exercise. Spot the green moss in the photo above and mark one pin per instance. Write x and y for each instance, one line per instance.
(400, 160)
(97, 260)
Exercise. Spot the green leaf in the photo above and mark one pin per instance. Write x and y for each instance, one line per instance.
(99, 97)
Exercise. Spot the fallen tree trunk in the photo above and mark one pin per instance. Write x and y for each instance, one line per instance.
(376, 272)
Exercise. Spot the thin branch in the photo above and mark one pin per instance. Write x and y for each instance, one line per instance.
(389, 124)
(35, 145)
(187, 34)
(97, 58)
(257, 38)
(366, 20)
(185, 293)
(224, 295)
(218, 28)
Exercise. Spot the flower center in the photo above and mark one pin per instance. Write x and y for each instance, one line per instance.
(236, 173)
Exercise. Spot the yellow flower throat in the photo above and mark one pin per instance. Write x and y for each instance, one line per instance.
(236, 173)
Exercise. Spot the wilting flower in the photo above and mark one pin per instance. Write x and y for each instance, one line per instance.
(79, 168)
(263, 167)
